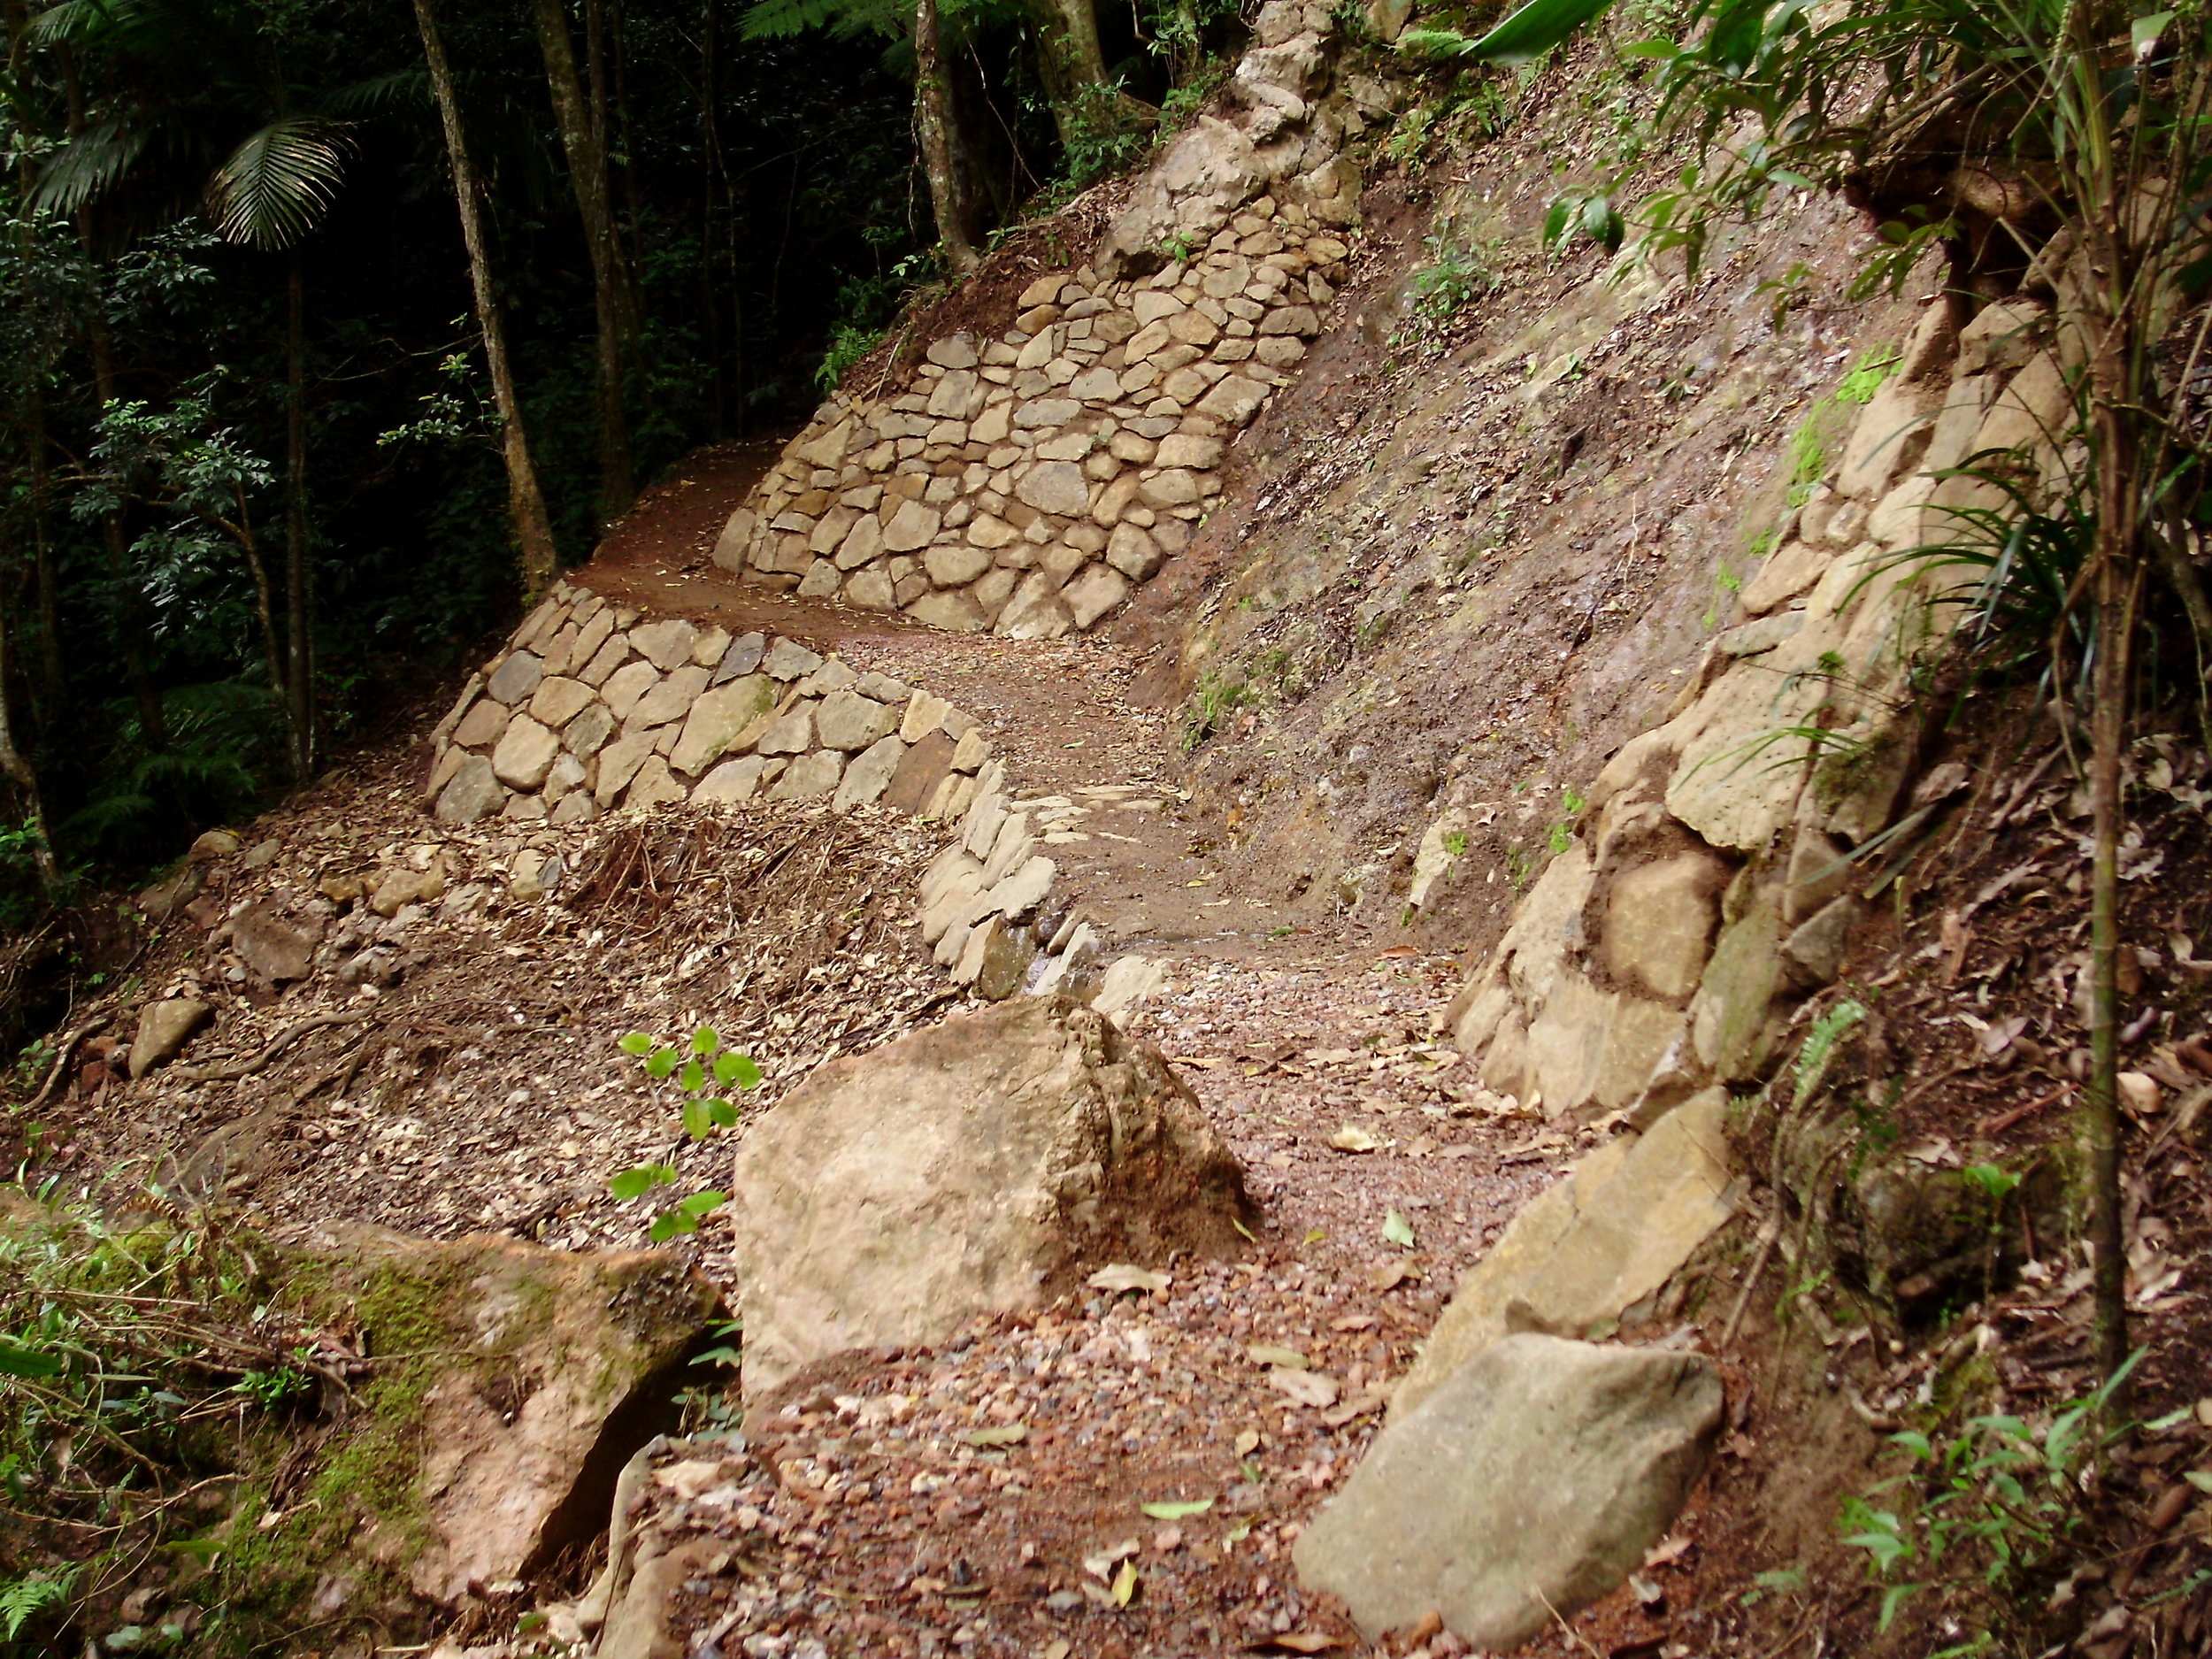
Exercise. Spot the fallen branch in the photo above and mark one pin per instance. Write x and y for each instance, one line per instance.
(228, 1069)
(61, 1059)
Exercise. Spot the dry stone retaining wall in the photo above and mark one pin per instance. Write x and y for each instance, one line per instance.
(1025, 483)
(592, 707)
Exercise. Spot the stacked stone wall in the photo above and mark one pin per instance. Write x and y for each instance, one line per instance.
(592, 707)
(1026, 482)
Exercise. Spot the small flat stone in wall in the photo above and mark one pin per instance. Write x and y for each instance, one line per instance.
(653, 785)
(516, 678)
(558, 699)
(869, 774)
(671, 700)
(924, 714)
(921, 770)
(482, 724)
(717, 718)
(629, 684)
(955, 612)
(742, 658)
(584, 735)
(793, 733)
(731, 783)
(811, 777)
(1092, 593)
(846, 720)
(474, 792)
(525, 754)
(787, 659)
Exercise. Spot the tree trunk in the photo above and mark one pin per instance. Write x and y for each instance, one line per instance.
(526, 503)
(45, 572)
(613, 300)
(933, 108)
(17, 770)
(299, 569)
(152, 720)
(1070, 61)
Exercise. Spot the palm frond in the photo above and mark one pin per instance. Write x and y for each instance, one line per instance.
(278, 182)
(87, 166)
(379, 93)
(777, 19)
(124, 24)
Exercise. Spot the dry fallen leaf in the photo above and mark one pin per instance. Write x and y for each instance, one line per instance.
(1010, 1434)
(1297, 1641)
(1314, 1388)
(1269, 1354)
(1352, 1137)
(1388, 1275)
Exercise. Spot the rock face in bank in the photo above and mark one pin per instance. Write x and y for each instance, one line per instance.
(967, 1168)
(519, 1381)
(592, 707)
(1026, 482)
(1534, 1479)
(1711, 887)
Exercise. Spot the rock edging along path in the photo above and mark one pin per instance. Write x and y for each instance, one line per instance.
(1028, 482)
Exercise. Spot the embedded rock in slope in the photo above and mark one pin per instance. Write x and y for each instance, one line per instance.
(968, 1167)
(1534, 1479)
(1586, 1249)
(531, 1375)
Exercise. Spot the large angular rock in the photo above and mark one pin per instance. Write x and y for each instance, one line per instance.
(1524, 1489)
(1589, 1247)
(525, 754)
(978, 1165)
(516, 678)
(1659, 922)
(272, 945)
(537, 1373)
(849, 721)
(164, 1028)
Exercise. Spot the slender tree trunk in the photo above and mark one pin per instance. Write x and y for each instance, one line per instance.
(613, 300)
(932, 113)
(710, 171)
(263, 600)
(623, 143)
(131, 603)
(16, 767)
(534, 530)
(45, 572)
(299, 569)
(2116, 549)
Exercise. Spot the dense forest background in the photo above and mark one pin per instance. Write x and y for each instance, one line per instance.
(290, 422)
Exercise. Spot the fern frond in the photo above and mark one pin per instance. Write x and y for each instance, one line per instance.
(87, 166)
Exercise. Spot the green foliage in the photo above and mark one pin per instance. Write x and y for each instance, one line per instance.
(1105, 132)
(1819, 1047)
(1455, 277)
(1212, 705)
(138, 1361)
(1985, 1505)
(1522, 38)
(704, 1073)
(1584, 212)
(32, 1593)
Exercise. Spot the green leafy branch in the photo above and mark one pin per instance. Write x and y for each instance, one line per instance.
(704, 1073)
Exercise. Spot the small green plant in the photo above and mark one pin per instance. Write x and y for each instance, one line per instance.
(269, 1389)
(849, 343)
(32, 1593)
(1584, 212)
(1456, 275)
(703, 1071)
(1865, 379)
(1211, 705)
(1180, 249)
(1819, 1047)
(1999, 1499)
(1456, 843)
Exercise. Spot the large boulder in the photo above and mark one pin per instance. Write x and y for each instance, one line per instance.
(976, 1165)
(1526, 1488)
